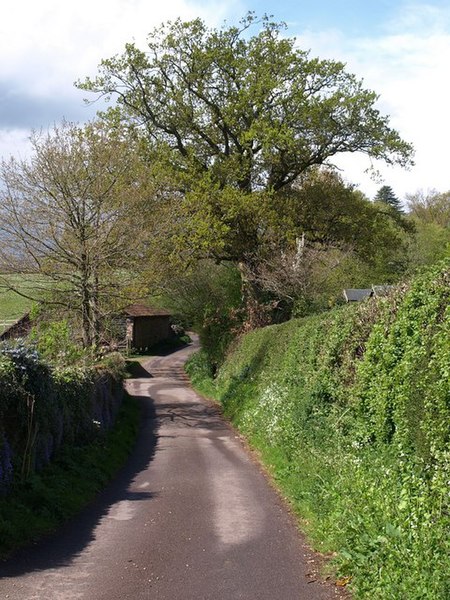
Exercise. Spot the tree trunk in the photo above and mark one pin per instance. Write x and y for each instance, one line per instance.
(86, 312)
(257, 312)
(86, 316)
(96, 325)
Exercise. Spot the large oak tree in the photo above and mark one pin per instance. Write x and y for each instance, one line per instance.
(236, 119)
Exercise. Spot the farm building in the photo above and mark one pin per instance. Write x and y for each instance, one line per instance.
(16, 329)
(357, 295)
(146, 326)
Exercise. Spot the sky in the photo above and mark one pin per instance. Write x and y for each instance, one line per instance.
(400, 48)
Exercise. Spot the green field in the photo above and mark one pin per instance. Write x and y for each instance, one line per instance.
(13, 305)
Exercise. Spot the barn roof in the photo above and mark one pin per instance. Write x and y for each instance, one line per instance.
(143, 310)
(356, 295)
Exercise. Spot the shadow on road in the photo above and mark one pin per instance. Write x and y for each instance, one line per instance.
(192, 414)
(136, 370)
(139, 368)
(60, 548)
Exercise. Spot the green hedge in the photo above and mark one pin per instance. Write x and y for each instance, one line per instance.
(44, 407)
(351, 411)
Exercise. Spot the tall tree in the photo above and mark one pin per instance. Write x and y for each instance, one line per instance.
(64, 215)
(430, 207)
(336, 225)
(236, 119)
(430, 213)
(386, 195)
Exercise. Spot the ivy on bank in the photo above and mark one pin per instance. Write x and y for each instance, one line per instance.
(351, 410)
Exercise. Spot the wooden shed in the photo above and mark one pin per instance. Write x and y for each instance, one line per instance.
(17, 329)
(146, 326)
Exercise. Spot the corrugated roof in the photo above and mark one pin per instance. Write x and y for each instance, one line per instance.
(356, 295)
(143, 310)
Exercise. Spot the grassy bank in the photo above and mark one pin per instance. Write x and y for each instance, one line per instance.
(55, 494)
(350, 410)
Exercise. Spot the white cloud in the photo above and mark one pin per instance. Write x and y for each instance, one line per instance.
(14, 141)
(46, 45)
(407, 65)
(415, 16)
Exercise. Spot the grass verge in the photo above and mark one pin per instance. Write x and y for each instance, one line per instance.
(350, 411)
(51, 497)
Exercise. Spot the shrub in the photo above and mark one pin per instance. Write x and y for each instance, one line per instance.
(55, 343)
(44, 407)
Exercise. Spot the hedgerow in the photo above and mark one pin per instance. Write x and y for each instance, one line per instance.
(351, 411)
(44, 407)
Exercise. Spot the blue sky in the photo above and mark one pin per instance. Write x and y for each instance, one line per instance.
(354, 17)
(400, 48)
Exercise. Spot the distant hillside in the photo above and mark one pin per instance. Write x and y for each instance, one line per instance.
(13, 305)
(351, 412)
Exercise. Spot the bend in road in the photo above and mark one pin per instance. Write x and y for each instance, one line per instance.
(190, 517)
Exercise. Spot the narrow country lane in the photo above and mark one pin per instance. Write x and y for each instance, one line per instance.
(191, 517)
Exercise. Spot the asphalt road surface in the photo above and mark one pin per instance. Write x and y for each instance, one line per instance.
(190, 517)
